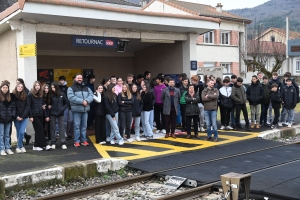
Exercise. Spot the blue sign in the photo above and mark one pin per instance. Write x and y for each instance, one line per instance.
(90, 41)
(294, 47)
(194, 65)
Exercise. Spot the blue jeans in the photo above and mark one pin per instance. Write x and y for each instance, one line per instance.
(145, 121)
(290, 113)
(137, 121)
(211, 121)
(151, 119)
(232, 118)
(4, 136)
(114, 128)
(20, 129)
(80, 123)
(264, 113)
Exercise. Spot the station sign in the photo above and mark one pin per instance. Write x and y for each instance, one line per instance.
(92, 41)
(194, 65)
(27, 50)
(294, 47)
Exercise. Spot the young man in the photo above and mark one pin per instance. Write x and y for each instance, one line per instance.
(260, 76)
(113, 80)
(130, 80)
(198, 88)
(289, 102)
(170, 97)
(232, 118)
(265, 102)
(226, 104)
(276, 104)
(139, 80)
(273, 80)
(183, 90)
(90, 84)
(210, 97)
(239, 98)
(158, 106)
(147, 77)
(255, 95)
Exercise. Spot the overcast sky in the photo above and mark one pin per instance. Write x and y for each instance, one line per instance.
(230, 4)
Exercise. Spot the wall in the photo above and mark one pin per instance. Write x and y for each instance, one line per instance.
(278, 37)
(164, 58)
(213, 53)
(164, 8)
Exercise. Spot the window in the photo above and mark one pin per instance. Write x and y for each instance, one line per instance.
(208, 64)
(298, 66)
(209, 37)
(226, 68)
(225, 38)
(272, 38)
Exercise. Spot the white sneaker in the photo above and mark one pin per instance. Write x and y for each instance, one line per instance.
(18, 150)
(121, 142)
(222, 127)
(53, 146)
(102, 142)
(37, 149)
(3, 153)
(129, 140)
(289, 125)
(269, 123)
(229, 127)
(107, 139)
(158, 131)
(112, 142)
(64, 147)
(48, 148)
(138, 138)
(8, 151)
(23, 150)
(279, 124)
(202, 129)
(163, 131)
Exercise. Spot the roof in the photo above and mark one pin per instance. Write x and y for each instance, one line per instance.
(120, 2)
(293, 34)
(265, 47)
(202, 10)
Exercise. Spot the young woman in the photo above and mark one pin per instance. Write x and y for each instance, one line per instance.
(125, 101)
(147, 107)
(136, 108)
(22, 112)
(36, 116)
(99, 112)
(105, 82)
(119, 86)
(46, 100)
(58, 104)
(192, 111)
(111, 109)
(7, 113)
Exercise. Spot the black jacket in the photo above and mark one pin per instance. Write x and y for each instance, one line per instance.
(64, 89)
(22, 108)
(36, 109)
(267, 90)
(277, 81)
(296, 87)
(275, 99)
(126, 106)
(289, 97)
(7, 110)
(255, 93)
(147, 101)
(111, 107)
(99, 107)
(192, 107)
(137, 106)
(58, 105)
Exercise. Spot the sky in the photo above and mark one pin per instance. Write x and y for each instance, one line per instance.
(230, 4)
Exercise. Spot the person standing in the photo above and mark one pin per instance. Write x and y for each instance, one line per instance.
(158, 106)
(119, 86)
(46, 100)
(147, 77)
(276, 103)
(192, 111)
(90, 84)
(210, 97)
(22, 112)
(147, 108)
(183, 91)
(226, 104)
(80, 98)
(170, 97)
(255, 95)
(273, 80)
(99, 115)
(58, 104)
(136, 108)
(37, 113)
(265, 102)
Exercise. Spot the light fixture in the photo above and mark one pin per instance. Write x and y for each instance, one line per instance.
(157, 41)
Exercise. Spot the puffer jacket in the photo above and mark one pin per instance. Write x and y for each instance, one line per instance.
(64, 88)
(111, 107)
(255, 93)
(275, 99)
(289, 97)
(36, 109)
(267, 90)
(225, 99)
(137, 106)
(277, 81)
(58, 105)
(126, 106)
(76, 94)
(238, 94)
(99, 107)
(192, 107)
(147, 101)
(22, 108)
(7, 110)
(210, 102)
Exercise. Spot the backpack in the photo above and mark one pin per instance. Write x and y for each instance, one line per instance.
(182, 98)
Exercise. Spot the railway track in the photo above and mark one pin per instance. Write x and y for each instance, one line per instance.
(180, 195)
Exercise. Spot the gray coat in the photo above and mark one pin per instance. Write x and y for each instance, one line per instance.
(166, 99)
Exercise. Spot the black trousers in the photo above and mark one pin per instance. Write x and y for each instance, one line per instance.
(91, 115)
(125, 119)
(183, 118)
(189, 119)
(239, 108)
(158, 114)
(277, 114)
(100, 131)
(170, 120)
(225, 115)
(40, 140)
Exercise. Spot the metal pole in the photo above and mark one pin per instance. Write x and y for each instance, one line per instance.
(287, 48)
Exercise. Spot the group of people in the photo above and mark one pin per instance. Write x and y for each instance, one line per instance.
(116, 108)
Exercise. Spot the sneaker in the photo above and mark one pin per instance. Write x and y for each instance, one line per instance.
(222, 127)
(248, 128)
(85, 143)
(138, 138)
(76, 144)
(269, 123)
(18, 150)
(23, 150)
(3, 153)
(128, 140)
(53, 146)
(37, 149)
(121, 142)
(216, 140)
(279, 124)
(274, 126)
(57, 135)
(289, 125)
(163, 131)
(107, 139)
(47, 147)
(69, 137)
(102, 142)
(207, 139)
(285, 123)
(229, 127)
(64, 147)
(239, 126)
(202, 129)
(158, 131)
(112, 142)
(149, 137)
(8, 151)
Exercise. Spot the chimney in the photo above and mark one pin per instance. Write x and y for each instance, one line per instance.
(219, 7)
(143, 3)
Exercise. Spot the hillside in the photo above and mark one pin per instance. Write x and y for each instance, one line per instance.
(273, 14)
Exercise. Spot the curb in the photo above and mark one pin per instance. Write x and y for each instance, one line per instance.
(280, 133)
(64, 172)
